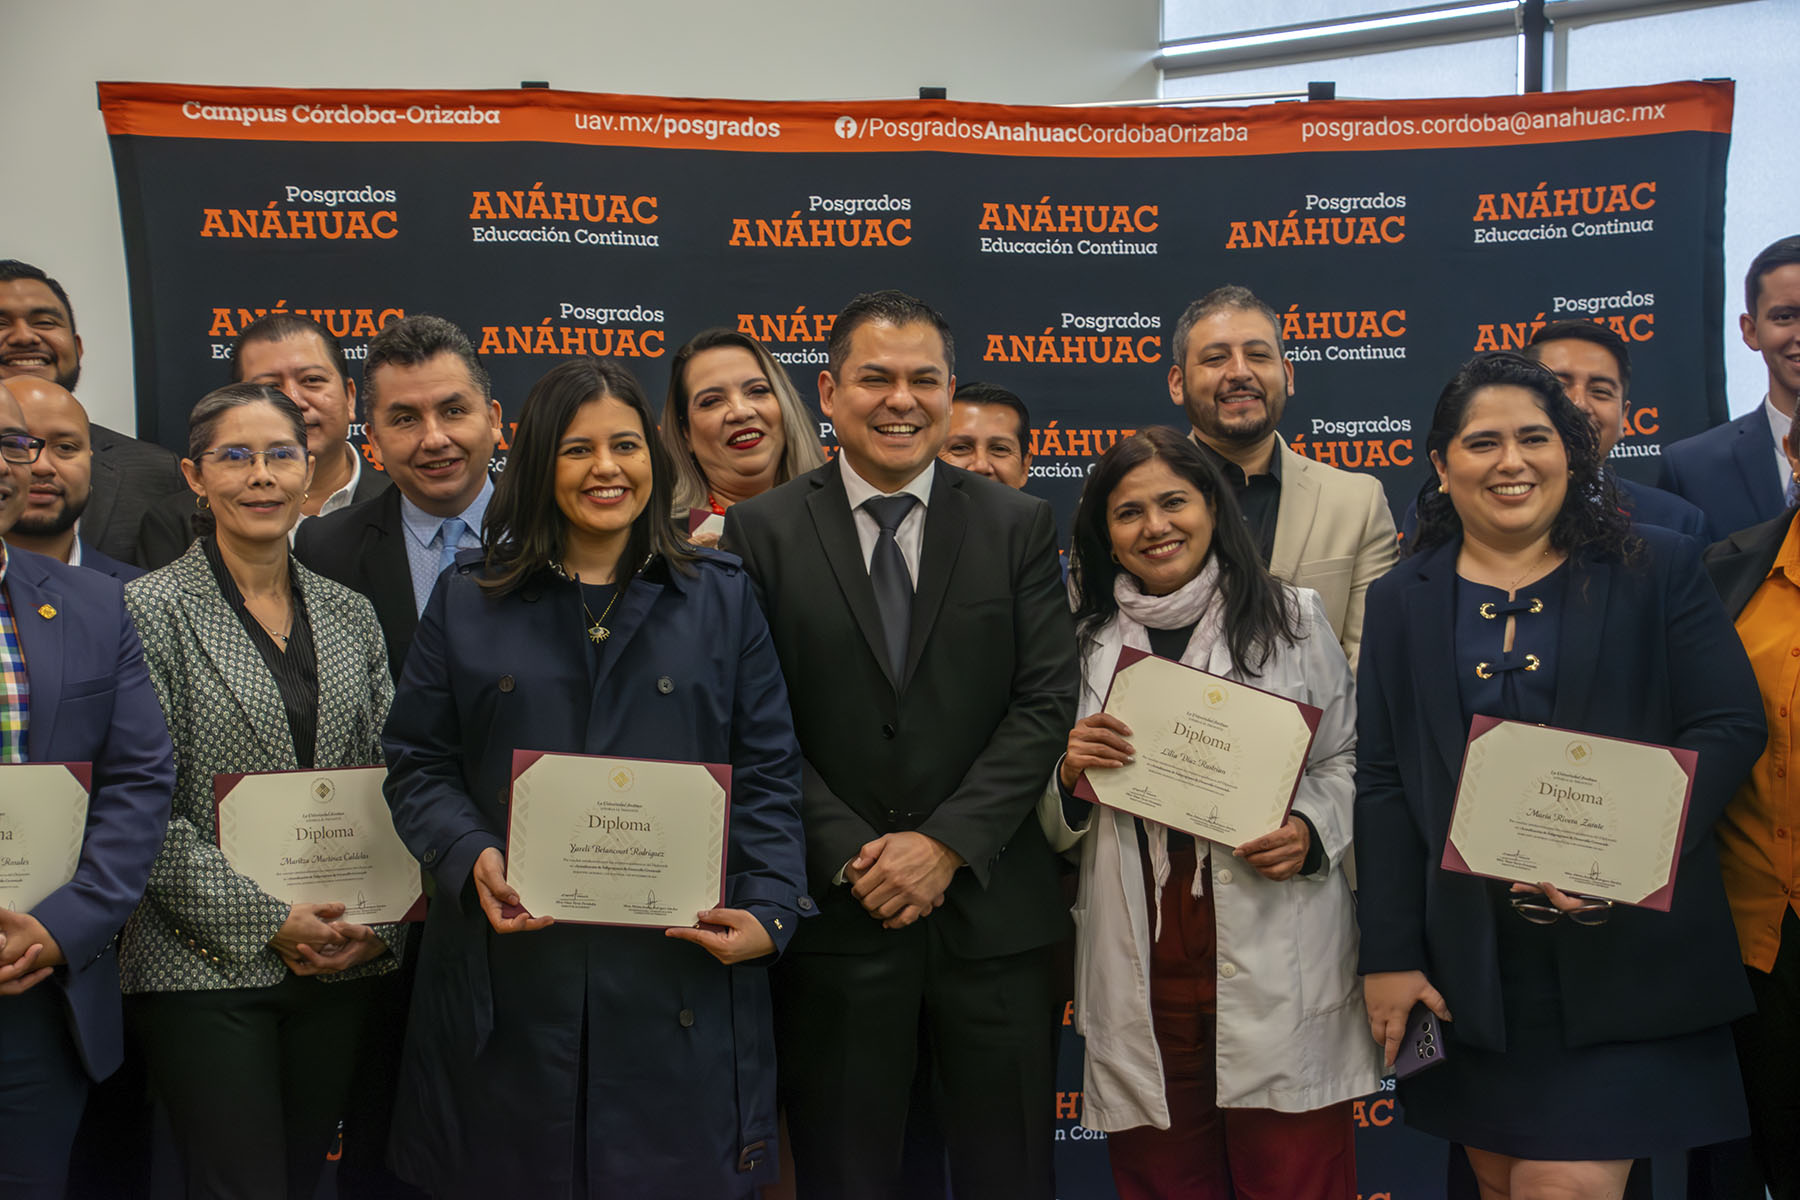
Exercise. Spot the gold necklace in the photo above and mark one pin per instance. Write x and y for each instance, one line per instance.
(597, 631)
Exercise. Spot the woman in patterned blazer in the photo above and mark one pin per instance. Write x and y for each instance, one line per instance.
(248, 1008)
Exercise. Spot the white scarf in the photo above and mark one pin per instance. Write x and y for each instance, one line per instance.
(1198, 602)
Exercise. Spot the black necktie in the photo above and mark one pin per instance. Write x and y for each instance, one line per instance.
(887, 572)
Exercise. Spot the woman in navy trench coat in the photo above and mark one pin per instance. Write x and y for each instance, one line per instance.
(561, 1060)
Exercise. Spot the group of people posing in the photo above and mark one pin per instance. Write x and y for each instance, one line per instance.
(908, 683)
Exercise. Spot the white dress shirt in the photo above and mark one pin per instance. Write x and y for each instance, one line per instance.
(910, 535)
(1779, 424)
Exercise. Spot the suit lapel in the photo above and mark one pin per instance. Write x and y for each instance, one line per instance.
(388, 568)
(1431, 615)
(1578, 646)
(337, 661)
(1754, 451)
(222, 638)
(41, 641)
(1294, 518)
(103, 494)
(946, 517)
(830, 509)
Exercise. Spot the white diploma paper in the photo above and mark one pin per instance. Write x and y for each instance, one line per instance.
(313, 837)
(1594, 815)
(43, 817)
(617, 841)
(1215, 758)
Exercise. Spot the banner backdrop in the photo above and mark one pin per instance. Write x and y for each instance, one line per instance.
(1395, 239)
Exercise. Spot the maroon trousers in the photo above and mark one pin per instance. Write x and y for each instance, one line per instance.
(1208, 1152)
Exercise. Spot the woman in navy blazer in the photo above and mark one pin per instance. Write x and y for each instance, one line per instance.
(571, 1060)
(1527, 596)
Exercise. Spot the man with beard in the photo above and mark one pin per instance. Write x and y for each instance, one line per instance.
(61, 479)
(1316, 526)
(38, 339)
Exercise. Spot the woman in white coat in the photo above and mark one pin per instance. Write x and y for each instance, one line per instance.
(1216, 986)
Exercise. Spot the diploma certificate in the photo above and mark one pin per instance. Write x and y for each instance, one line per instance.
(314, 837)
(1215, 758)
(43, 818)
(617, 841)
(1588, 814)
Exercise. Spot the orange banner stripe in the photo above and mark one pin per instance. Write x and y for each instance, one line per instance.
(885, 126)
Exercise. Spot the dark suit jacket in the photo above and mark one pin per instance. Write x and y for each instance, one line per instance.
(170, 526)
(94, 560)
(363, 547)
(1739, 564)
(92, 701)
(1645, 653)
(129, 477)
(960, 746)
(1727, 472)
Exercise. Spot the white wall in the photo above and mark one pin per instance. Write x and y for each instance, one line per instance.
(59, 208)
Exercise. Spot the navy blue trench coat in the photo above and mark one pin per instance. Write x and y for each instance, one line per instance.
(678, 1095)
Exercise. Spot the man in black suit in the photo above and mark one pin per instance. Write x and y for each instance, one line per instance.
(61, 480)
(923, 629)
(300, 357)
(434, 426)
(38, 339)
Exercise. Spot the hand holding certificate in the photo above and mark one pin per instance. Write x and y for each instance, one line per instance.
(1592, 815)
(318, 837)
(617, 841)
(1215, 758)
(43, 819)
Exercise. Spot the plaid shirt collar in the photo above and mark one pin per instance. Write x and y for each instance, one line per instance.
(15, 686)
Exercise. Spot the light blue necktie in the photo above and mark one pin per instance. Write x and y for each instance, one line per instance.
(451, 532)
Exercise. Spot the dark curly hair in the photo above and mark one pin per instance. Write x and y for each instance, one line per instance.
(1591, 520)
(1258, 610)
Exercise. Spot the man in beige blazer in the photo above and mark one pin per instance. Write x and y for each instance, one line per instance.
(1316, 526)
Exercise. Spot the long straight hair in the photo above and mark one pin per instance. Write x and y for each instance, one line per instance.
(1259, 611)
(524, 531)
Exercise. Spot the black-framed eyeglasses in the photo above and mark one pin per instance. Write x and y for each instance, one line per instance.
(1536, 908)
(20, 447)
(286, 456)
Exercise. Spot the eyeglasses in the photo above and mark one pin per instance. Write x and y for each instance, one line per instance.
(20, 448)
(1537, 909)
(285, 457)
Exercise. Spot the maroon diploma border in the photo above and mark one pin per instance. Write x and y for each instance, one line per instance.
(222, 785)
(1130, 656)
(721, 773)
(1687, 760)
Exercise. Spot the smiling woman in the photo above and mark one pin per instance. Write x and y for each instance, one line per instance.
(1528, 596)
(591, 627)
(260, 665)
(733, 425)
(1169, 967)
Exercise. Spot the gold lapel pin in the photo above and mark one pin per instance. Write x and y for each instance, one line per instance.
(46, 611)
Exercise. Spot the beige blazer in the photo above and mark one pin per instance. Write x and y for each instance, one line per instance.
(1334, 535)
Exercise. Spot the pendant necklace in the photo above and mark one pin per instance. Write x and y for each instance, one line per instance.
(597, 631)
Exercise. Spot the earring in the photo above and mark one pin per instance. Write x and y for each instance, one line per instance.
(1443, 490)
(201, 504)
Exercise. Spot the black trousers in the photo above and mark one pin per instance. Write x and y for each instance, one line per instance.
(254, 1079)
(42, 1089)
(847, 1030)
(1768, 1045)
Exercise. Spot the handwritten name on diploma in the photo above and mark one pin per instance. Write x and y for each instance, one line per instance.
(1594, 815)
(1216, 758)
(317, 836)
